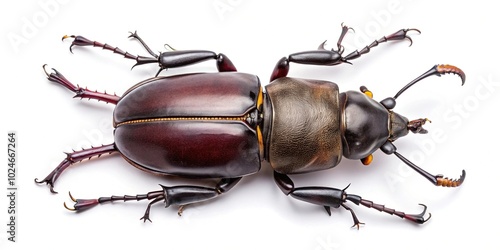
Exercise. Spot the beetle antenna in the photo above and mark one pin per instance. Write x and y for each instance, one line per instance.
(438, 70)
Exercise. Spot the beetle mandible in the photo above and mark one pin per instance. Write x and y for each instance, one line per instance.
(222, 125)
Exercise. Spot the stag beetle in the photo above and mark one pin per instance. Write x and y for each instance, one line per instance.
(222, 125)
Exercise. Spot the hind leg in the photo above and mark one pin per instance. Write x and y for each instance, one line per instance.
(172, 195)
(75, 157)
(58, 78)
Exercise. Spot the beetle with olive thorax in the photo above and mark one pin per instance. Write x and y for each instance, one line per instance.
(223, 125)
(313, 124)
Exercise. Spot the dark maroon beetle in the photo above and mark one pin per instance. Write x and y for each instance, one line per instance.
(222, 125)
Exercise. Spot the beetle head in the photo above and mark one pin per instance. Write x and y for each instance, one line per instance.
(399, 126)
(367, 124)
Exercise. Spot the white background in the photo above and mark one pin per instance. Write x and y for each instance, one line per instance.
(255, 214)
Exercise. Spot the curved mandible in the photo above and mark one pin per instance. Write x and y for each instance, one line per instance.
(448, 182)
(438, 70)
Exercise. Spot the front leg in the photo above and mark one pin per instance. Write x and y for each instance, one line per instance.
(324, 57)
(75, 157)
(333, 197)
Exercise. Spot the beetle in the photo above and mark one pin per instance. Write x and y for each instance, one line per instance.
(223, 125)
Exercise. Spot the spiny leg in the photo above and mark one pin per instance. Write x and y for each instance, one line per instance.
(340, 47)
(333, 197)
(416, 218)
(332, 57)
(175, 195)
(169, 59)
(82, 41)
(357, 223)
(136, 36)
(74, 157)
(175, 58)
(83, 204)
(58, 78)
(181, 58)
(396, 36)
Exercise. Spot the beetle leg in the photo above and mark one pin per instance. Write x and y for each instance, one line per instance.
(82, 41)
(146, 214)
(340, 47)
(185, 195)
(136, 36)
(169, 59)
(416, 218)
(323, 57)
(333, 197)
(223, 63)
(396, 36)
(314, 57)
(84, 204)
(72, 158)
(281, 69)
(175, 195)
(58, 78)
(181, 58)
(357, 223)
